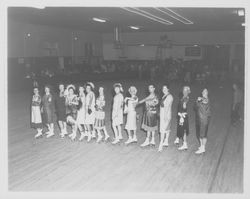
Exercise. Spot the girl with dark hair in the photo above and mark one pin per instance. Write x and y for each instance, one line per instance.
(130, 104)
(117, 112)
(48, 109)
(60, 102)
(203, 114)
(71, 109)
(149, 120)
(182, 119)
(165, 116)
(99, 124)
(36, 117)
(81, 113)
(90, 110)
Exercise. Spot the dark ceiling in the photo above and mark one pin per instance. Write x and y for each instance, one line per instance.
(80, 18)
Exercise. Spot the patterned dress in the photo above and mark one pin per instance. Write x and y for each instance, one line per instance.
(100, 114)
(90, 108)
(71, 107)
(36, 117)
(182, 117)
(203, 114)
(149, 120)
(60, 103)
(166, 113)
(131, 113)
(48, 104)
(117, 111)
(81, 114)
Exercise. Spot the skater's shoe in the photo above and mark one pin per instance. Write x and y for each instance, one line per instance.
(82, 136)
(106, 138)
(99, 139)
(93, 135)
(183, 147)
(152, 143)
(134, 139)
(200, 150)
(38, 134)
(50, 135)
(160, 148)
(146, 143)
(177, 141)
(89, 137)
(165, 143)
(116, 141)
(128, 141)
(72, 136)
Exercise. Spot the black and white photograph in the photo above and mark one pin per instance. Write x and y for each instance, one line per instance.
(123, 98)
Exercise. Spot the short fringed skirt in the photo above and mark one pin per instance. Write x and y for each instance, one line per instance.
(149, 121)
(99, 120)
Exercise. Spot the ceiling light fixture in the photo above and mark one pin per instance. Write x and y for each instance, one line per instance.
(175, 15)
(145, 12)
(243, 24)
(241, 12)
(144, 15)
(134, 27)
(99, 20)
(38, 6)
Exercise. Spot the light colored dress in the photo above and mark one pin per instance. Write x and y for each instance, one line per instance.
(117, 112)
(131, 113)
(36, 117)
(81, 113)
(166, 113)
(90, 108)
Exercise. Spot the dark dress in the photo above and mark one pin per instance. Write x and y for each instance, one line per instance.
(182, 118)
(48, 104)
(149, 120)
(60, 103)
(203, 114)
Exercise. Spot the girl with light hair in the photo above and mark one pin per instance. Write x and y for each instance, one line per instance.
(182, 119)
(117, 112)
(130, 104)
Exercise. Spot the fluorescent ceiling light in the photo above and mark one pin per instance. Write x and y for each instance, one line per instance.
(241, 12)
(134, 27)
(142, 45)
(38, 6)
(148, 13)
(99, 20)
(175, 15)
(243, 24)
(195, 45)
(145, 15)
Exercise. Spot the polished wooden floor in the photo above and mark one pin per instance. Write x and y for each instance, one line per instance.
(56, 164)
